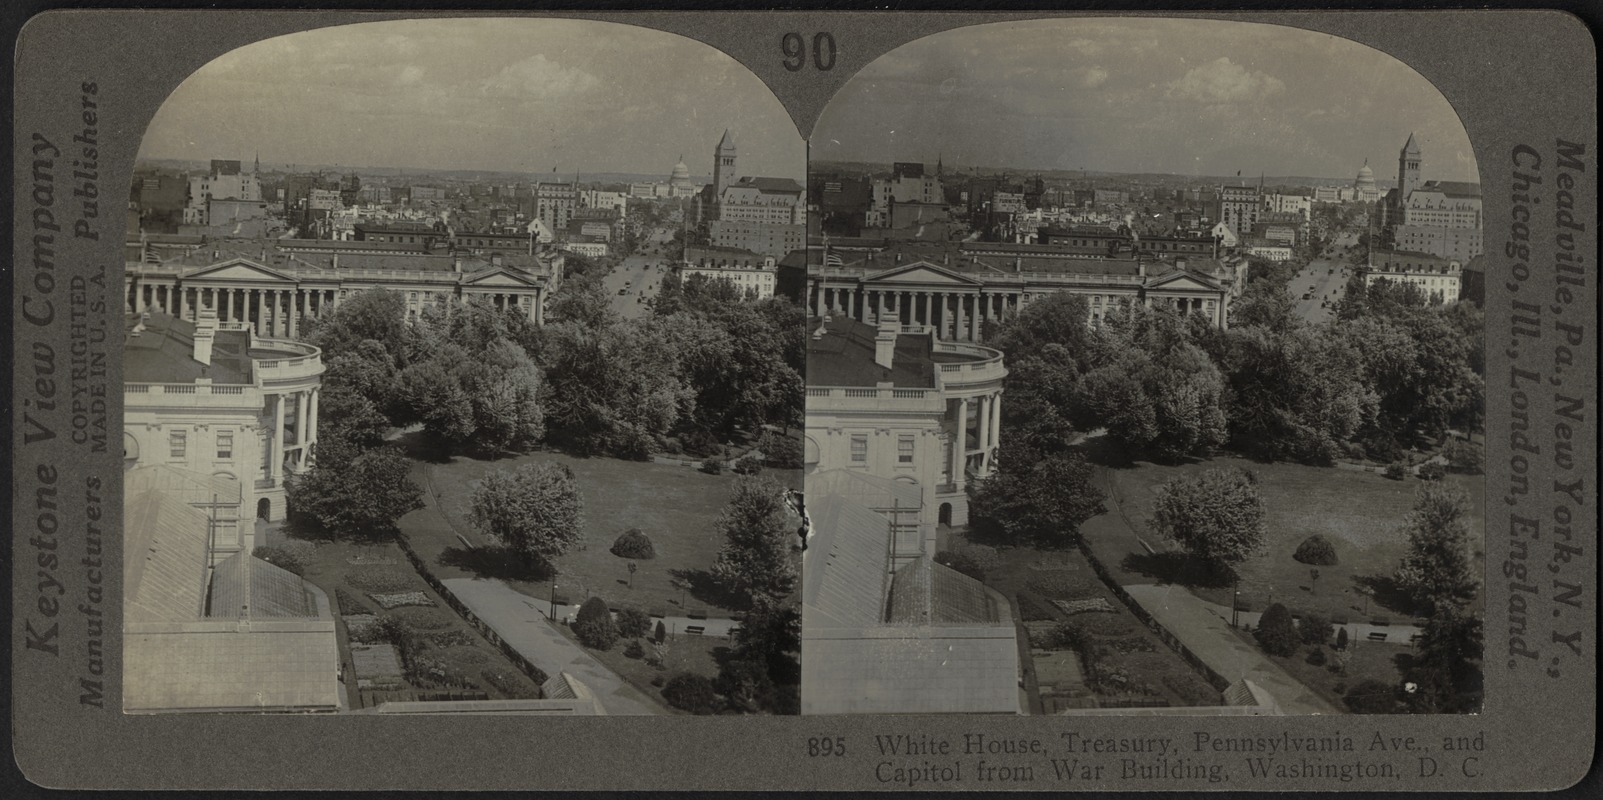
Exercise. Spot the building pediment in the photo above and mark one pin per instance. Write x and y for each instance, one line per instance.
(239, 269)
(499, 276)
(922, 272)
(1184, 281)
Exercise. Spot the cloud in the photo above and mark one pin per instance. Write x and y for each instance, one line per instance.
(537, 77)
(1091, 77)
(1222, 81)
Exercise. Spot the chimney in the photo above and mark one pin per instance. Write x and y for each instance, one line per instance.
(1141, 268)
(456, 262)
(885, 342)
(205, 333)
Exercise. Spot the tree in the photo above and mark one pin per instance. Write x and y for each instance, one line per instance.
(350, 491)
(536, 510)
(1216, 515)
(690, 692)
(1034, 498)
(485, 397)
(1317, 551)
(1447, 668)
(377, 315)
(1277, 632)
(594, 625)
(1048, 347)
(1315, 629)
(1297, 393)
(1437, 569)
(756, 563)
(1153, 389)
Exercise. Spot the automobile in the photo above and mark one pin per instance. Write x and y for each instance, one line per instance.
(623, 291)
(1307, 295)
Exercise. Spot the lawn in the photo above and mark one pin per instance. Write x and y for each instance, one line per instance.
(1360, 513)
(676, 506)
(1134, 664)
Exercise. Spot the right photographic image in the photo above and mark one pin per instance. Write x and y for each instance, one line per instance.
(1145, 375)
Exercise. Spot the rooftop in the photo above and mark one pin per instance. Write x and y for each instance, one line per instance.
(844, 356)
(159, 348)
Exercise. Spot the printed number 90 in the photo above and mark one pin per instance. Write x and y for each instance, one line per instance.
(826, 746)
(795, 48)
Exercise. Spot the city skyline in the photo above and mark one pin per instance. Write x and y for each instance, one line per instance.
(1183, 97)
(574, 95)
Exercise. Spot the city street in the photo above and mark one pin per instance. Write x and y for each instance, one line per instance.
(1323, 280)
(632, 283)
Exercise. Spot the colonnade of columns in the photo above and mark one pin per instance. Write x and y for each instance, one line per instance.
(299, 449)
(274, 312)
(986, 424)
(956, 316)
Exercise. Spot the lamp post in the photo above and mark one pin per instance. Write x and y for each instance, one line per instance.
(1235, 609)
(551, 610)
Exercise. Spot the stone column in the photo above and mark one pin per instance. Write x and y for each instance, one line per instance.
(311, 413)
(261, 312)
(975, 322)
(180, 305)
(960, 447)
(982, 430)
(996, 418)
(929, 298)
(276, 464)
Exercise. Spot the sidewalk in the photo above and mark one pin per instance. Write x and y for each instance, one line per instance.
(1202, 629)
(521, 622)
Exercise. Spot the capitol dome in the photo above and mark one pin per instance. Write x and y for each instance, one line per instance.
(681, 173)
(1366, 177)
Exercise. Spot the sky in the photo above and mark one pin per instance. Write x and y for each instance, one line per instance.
(1187, 97)
(522, 95)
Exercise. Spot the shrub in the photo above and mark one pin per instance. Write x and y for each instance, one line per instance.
(594, 626)
(1277, 633)
(658, 680)
(634, 543)
(748, 465)
(280, 558)
(1317, 551)
(1466, 457)
(693, 693)
(1396, 471)
(1433, 471)
(1341, 639)
(661, 633)
(1316, 656)
(633, 649)
(961, 563)
(1315, 629)
(632, 622)
(1371, 697)
(700, 443)
(713, 466)
(780, 451)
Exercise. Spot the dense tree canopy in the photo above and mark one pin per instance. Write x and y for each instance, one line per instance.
(1296, 393)
(1034, 498)
(1153, 389)
(351, 491)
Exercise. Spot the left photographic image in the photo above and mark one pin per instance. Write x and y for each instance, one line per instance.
(463, 374)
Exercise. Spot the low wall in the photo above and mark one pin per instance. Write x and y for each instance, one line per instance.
(525, 666)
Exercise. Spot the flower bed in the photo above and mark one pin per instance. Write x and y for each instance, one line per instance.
(1072, 607)
(398, 599)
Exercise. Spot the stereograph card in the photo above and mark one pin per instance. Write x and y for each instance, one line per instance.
(804, 400)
